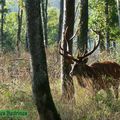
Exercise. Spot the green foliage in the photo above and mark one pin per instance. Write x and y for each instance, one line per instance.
(115, 33)
(97, 20)
(10, 28)
(52, 24)
(97, 16)
(10, 31)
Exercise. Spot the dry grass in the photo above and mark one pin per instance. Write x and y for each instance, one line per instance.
(16, 93)
(15, 85)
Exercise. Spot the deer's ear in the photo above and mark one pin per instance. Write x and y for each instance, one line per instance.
(85, 60)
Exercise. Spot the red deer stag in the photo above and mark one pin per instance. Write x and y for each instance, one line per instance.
(104, 75)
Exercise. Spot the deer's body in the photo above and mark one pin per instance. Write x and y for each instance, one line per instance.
(103, 75)
(97, 69)
(107, 68)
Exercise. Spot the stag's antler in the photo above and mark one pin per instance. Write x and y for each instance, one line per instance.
(89, 53)
(66, 53)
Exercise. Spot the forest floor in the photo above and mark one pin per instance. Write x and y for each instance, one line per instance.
(16, 92)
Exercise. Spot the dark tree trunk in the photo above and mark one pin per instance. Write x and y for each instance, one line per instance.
(83, 37)
(101, 38)
(2, 22)
(107, 25)
(113, 50)
(40, 84)
(102, 45)
(67, 82)
(114, 44)
(44, 19)
(60, 26)
(118, 10)
(20, 16)
(26, 42)
(60, 21)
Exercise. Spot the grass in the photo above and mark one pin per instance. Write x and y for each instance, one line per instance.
(16, 93)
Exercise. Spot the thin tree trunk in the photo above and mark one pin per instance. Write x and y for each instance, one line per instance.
(107, 25)
(67, 82)
(60, 26)
(114, 44)
(20, 16)
(102, 45)
(40, 84)
(114, 48)
(44, 19)
(27, 42)
(101, 38)
(83, 37)
(118, 9)
(2, 23)
(46, 27)
(60, 21)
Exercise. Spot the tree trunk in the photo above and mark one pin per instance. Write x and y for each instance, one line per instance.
(118, 9)
(60, 21)
(20, 16)
(26, 42)
(102, 45)
(2, 22)
(107, 25)
(67, 82)
(44, 19)
(45, 24)
(101, 38)
(114, 44)
(83, 37)
(40, 84)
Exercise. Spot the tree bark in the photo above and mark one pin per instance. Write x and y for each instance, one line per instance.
(2, 22)
(67, 82)
(118, 9)
(20, 16)
(101, 38)
(26, 42)
(40, 84)
(102, 45)
(107, 25)
(83, 37)
(60, 21)
(44, 19)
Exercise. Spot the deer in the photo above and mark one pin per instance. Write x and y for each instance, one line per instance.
(103, 75)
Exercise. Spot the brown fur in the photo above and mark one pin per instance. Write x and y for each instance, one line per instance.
(103, 75)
